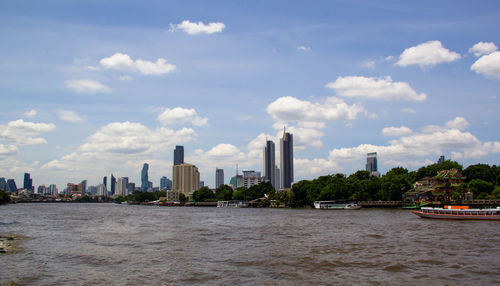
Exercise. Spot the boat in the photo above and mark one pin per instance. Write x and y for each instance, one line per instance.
(459, 212)
(229, 204)
(333, 205)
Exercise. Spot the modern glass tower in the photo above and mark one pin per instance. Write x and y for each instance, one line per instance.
(28, 182)
(144, 178)
(286, 157)
(219, 177)
(178, 155)
(371, 162)
(112, 185)
(268, 167)
(11, 184)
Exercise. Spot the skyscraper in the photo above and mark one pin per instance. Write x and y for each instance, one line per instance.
(186, 178)
(105, 181)
(286, 158)
(268, 160)
(371, 164)
(178, 155)
(28, 182)
(11, 184)
(165, 183)
(121, 187)
(441, 159)
(112, 185)
(84, 186)
(277, 179)
(144, 178)
(219, 177)
(3, 184)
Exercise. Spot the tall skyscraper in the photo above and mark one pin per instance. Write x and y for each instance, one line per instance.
(165, 183)
(219, 177)
(277, 179)
(178, 155)
(105, 181)
(186, 178)
(144, 178)
(286, 157)
(268, 160)
(121, 187)
(84, 186)
(112, 184)
(371, 164)
(441, 159)
(3, 184)
(28, 182)
(11, 184)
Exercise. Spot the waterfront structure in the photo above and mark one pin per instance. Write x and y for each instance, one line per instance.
(186, 178)
(74, 189)
(441, 159)
(165, 183)
(178, 155)
(171, 196)
(268, 168)
(28, 182)
(92, 190)
(11, 185)
(144, 178)
(112, 185)
(219, 177)
(3, 184)
(286, 159)
(371, 164)
(121, 187)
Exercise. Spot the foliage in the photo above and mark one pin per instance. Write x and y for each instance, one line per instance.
(224, 193)
(203, 195)
(495, 195)
(483, 172)
(4, 197)
(431, 170)
(478, 186)
(182, 198)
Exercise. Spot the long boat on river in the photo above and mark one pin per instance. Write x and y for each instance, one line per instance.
(459, 212)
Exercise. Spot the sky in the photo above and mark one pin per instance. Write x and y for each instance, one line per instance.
(90, 88)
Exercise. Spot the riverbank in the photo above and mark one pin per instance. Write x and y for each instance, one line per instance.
(10, 243)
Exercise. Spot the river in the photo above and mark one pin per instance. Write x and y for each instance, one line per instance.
(109, 244)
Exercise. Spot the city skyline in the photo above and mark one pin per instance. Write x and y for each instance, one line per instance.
(90, 90)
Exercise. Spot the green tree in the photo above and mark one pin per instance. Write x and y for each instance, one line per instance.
(480, 171)
(204, 195)
(432, 170)
(182, 198)
(495, 195)
(4, 197)
(224, 193)
(478, 186)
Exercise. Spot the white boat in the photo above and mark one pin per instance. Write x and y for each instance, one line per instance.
(459, 212)
(333, 205)
(229, 204)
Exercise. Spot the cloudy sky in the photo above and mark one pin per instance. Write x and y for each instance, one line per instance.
(90, 88)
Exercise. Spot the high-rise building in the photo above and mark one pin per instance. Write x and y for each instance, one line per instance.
(53, 189)
(219, 177)
(178, 155)
(121, 186)
(165, 183)
(268, 160)
(277, 179)
(74, 189)
(130, 188)
(28, 182)
(11, 184)
(202, 184)
(101, 190)
(371, 164)
(144, 178)
(84, 186)
(286, 157)
(112, 185)
(441, 159)
(186, 178)
(3, 184)
(251, 178)
(105, 181)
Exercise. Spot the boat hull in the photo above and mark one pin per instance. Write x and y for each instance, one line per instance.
(455, 216)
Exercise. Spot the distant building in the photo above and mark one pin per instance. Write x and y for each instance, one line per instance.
(53, 189)
(371, 164)
(268, 168)
(92, 190)
(178, 155)
(277, 180)
(441, 159)
(121, 187)
(202, 184)
(101, 190)
(105, 181)
(3, 184)
(28, 182)
(144, 178)
(165, 183)
(112, 185)
(74, 189)
(172, 196)
(251, 178)
(186, 178)
(130, 188)
(84, 186)
(11, 184)
(236, 181)
(219, 177)
(286, 157)
(41, 190)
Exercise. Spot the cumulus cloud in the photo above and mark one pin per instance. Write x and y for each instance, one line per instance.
(6, 150)
(396, 131)
(87, 86)
(483, 48)
(124, 62)
(193, 28)
(30, 113)
(303, 48)
(367, 64)
(374, 88)
(179, 115)
(488, 65)
(427, 54)
(459, 123)
(20, 132)
(69, 116)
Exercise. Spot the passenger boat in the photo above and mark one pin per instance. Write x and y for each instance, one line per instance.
(333, 205)
(229, 204)
(459, 212)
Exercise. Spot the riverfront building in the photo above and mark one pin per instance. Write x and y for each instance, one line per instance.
(11, 184)
(112, 185)
(144, 178)
(268, 168)
(165, 183)
(371, 164)
(28, 182)
(121, 187)
(286, 158)
(178, 155)
(3, 184)
(219, 177)
(186, 178)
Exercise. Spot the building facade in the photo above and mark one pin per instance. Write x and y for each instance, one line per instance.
(219, 177)
(112, 185)
(286, 160)
(121, 186)
(144, 178)
(178, 155)
(28, 182)
(371, 164)
(11, 184)
(268, 168)
(186, 178)
(165, 183)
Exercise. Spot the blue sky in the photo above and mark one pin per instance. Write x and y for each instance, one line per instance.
(90, 88)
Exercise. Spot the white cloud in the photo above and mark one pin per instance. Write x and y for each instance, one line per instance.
(389, 58)
(367, 64)
(488, 65)
(6, 150)
(198, 28)
(483, 48)
(30, 113)
(87, 86)
(126, 78)
(179, 115)
(427, 54)
(93, 68)
(22, 132)
(223, 151)
(369, 87)
(407, 110)
(124, 62)
(303, 48)
(459, 123)
(69, 116)
(396, 131)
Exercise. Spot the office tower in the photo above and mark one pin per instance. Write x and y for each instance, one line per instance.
(84, 186)
(441, 159)
(202, 184)
(92, 190)
(144, 178)
(105, 181)
(286, 157)
(219, 177)
(11, 184)
(53, 189)
(371, 164)
(277, 179)
(186, 178)
(121, 186)
(178, 155)
(41, 190)
(112, 185)
(101, 190)
(28, 182)
(3, 184)
(251, 178)
(130, 188)
(74, 189)
(165, 183)
(269, 159)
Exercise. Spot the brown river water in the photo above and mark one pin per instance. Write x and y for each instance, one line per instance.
(109, 244)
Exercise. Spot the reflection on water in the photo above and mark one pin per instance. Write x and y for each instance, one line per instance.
(108, 244)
